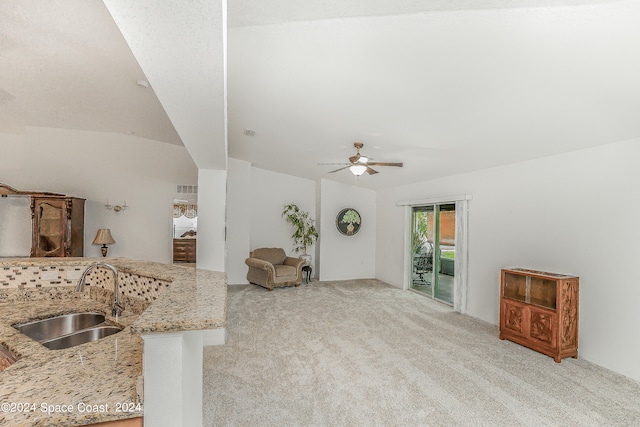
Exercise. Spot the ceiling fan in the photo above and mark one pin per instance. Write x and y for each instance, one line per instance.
(360, 164)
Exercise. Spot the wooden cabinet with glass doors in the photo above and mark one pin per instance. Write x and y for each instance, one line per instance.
(58, 226)
(539, 310)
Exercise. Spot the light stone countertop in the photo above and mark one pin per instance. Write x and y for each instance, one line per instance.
(106, 371)
(196, 299)
(102, 372)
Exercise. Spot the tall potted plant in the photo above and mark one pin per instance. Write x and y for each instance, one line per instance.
(305, 233)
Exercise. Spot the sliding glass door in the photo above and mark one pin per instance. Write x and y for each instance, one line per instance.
(433, 250)
(422, 249)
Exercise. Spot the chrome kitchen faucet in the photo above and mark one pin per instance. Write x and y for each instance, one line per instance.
(116, 308)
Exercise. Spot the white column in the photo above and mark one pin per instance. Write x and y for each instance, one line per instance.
(163, 384)
(239, 206)
(173, 376)
(212, 196)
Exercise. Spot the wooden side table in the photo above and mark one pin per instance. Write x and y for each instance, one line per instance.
(306, 271)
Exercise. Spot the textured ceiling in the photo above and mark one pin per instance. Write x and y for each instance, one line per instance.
(446, 86)
(66, 65)
(446, 92)
(179, 45)
(260, 12)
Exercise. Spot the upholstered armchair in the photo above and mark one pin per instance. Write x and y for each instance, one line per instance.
(271, 267)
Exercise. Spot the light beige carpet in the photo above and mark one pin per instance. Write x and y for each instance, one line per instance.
(362, 353)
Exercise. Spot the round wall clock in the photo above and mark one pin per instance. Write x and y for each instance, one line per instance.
(348, 221)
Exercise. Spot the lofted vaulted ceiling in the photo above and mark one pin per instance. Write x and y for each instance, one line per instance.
(64, 64)
(445, 86)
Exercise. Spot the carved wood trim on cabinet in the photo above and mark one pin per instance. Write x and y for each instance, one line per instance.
(539, 310)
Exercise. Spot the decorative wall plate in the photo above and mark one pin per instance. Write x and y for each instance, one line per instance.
(348, 221)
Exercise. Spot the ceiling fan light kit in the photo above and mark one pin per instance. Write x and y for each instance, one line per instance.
(358, 170)
(360, 164)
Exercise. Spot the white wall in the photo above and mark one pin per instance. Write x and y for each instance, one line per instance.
(574, 213)
(240, 206)
(269, 192)
(256, 198)
(100, 166)
(317, 258)
(347, 257)
(264, 195)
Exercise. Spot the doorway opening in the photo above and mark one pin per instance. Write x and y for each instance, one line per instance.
(433, 251)
(185, 231)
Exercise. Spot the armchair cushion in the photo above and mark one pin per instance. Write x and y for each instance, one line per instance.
(285, 270)
(271, 255)
(269, 267)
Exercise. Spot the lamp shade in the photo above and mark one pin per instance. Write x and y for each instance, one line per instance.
(103, 237)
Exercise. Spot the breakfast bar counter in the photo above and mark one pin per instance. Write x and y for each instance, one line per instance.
(101, 380)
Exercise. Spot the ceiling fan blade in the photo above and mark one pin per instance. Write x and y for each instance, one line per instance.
(333, 164)
(371, 171)
(354, 159)
(337, 170)
(385, 164)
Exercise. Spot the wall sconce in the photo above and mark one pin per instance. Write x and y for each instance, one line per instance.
(116, 208)
(104, 238)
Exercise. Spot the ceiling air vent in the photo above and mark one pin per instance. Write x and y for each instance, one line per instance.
(187, 189)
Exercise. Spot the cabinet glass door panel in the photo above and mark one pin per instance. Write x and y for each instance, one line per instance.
(515, 287)
(50, 225)
(543, 293)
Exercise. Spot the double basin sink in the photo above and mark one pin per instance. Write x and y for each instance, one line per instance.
(68, 330)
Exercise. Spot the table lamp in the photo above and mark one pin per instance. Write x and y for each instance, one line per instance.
(104, 238)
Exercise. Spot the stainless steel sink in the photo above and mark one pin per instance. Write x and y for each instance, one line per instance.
(54, 327)
(81, 337)
(68, 330)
